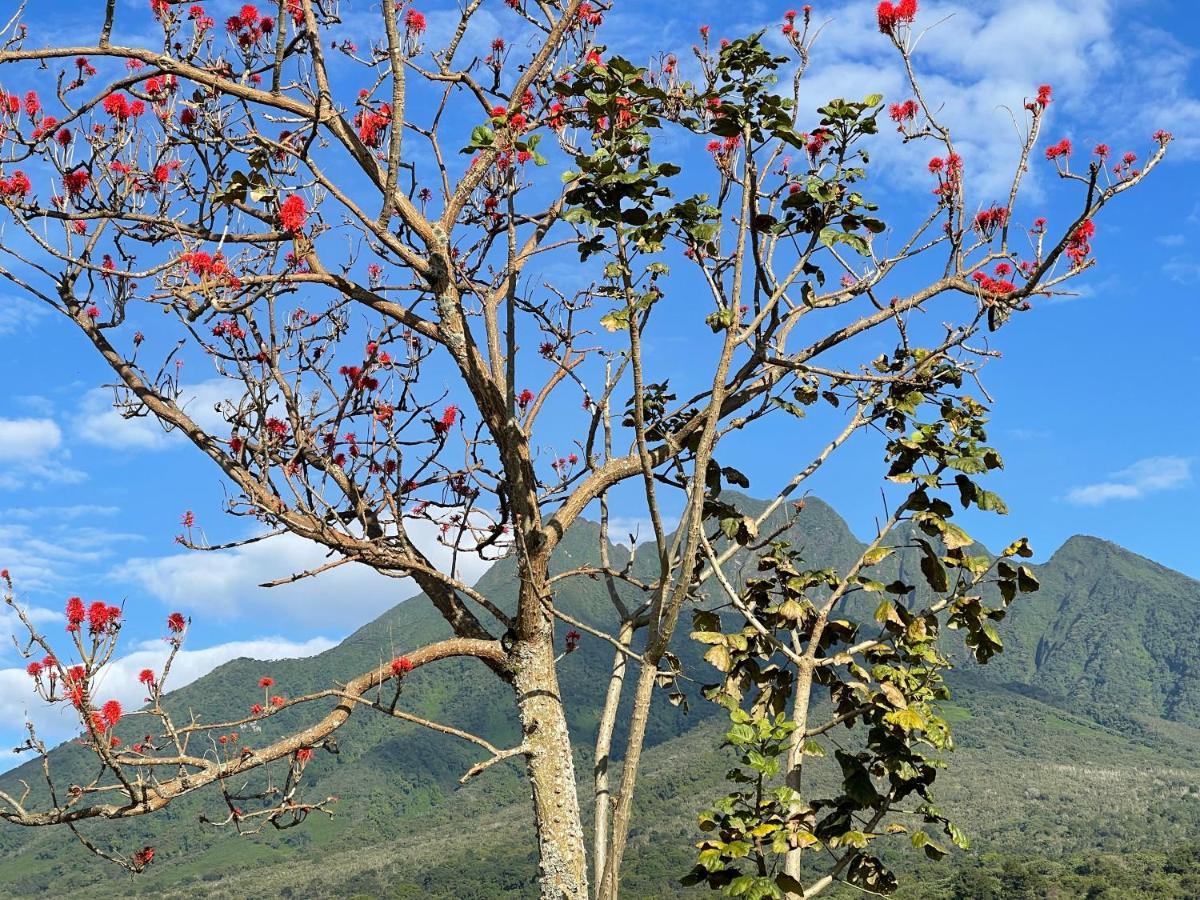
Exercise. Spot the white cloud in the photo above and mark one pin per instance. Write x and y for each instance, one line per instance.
(225, 584)
(1146, 476)
(23, 440)
(118, 681)
(31, 454)
(1182, 270)
(98, 422)
(18, 314)
(57, 547)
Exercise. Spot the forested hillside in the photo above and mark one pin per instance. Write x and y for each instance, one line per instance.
(1077, 743)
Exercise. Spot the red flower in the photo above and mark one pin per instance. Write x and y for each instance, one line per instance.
(890, 16)
(101, 616)
(277, 701)
(1062, 148)
(176, 622)
(187, 117)
(18, 185)
(32, 104)
(401, 666)
(903, 112)
(256, 709)
(449, 417)
(143, 858)
(188, 519)
(414, 22)
(988, 220)
(34, 669)
(111, 711)
(75, 613)
(76, 181)
(120, 108)
(146, 677)
(1079, 242)
(573, 638)
(525, 398)
(266, 681)
(293, 213)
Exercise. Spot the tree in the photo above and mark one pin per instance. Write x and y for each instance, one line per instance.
(292, 210)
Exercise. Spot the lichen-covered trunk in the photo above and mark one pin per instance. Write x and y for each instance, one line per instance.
(563, 860)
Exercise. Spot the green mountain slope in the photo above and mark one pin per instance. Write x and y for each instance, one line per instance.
(1078, 737)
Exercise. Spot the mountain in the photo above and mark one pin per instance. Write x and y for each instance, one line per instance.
(1081, 737)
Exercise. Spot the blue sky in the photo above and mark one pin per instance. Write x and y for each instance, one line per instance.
(1095, 413)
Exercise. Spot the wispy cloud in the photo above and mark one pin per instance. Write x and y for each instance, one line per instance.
(31, 453)
(1146, 476)
(1182, 270)
(225, 584)
(98, 422)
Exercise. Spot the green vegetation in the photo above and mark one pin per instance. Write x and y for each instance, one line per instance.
(1076, 772)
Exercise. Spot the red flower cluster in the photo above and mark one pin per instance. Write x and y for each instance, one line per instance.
(446, 422)
(815, 142)
(1061, 149)
(143, 858)
(573, 638)
(588, 16)
(995, 285)
(987, 221)
(102, 617)
(1041, 101)
(205, 264)
(122, 108)
(414, 22)
(111, 714)
(401, 666)
(75, 613)
(176, 622)
(266, 682)
(147, 677)
(293, 214)
(892, 16)
(304, 754)
(76, 182)
(16, 185)
(903, 112)
(1079, 243)
(249, 26)
(372, 124)
(949, 174)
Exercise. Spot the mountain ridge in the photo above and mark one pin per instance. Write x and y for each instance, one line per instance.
(1057, 685)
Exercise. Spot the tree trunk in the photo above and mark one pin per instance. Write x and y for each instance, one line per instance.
(644, 694)
(608, 721)
(563, 860)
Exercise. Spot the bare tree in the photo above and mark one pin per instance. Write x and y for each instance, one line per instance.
(294, 205)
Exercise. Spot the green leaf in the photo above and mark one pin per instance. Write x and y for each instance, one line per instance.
(876, 556)
(1026, 580)
(935, 573)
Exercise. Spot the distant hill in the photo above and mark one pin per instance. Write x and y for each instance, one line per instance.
(1081, 737)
